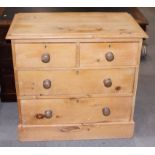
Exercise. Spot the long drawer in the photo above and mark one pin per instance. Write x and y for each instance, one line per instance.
(73, 82)
(82, 110)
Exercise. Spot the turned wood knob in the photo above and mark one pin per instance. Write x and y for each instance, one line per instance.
(107, 83)
(45, 58)
(47, 114)
(106, 111)
(47, 84)
(109, 56)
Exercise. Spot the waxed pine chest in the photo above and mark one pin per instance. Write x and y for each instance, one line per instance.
(76, 74)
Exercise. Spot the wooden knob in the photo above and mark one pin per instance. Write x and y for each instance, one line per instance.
(48, 113)
(107, 83)
(106, 111)
(109, 56)
(47, 84)
(45, 58)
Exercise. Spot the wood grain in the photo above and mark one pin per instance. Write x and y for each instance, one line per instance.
(74, 25)
(78, 40)
(76, 82)
(76, 131)
(77, 44)
(61, 54)
(136, 81)
(74, 110)
(93, 54)
(16, 82)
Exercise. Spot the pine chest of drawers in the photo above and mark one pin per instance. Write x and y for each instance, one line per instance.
(76, 74)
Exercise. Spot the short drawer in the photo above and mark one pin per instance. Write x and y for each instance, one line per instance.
(83, 110)
(109, 54)
(45, 55)
(73, 82)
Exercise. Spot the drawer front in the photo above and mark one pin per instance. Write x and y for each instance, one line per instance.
(108, 54)
(73, 82)
(83, 110)
(45, 55)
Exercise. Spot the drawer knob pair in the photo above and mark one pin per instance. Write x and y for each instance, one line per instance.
(47, 84)
(47, 114)
(45, 58)
(109, 56)
(106, 111)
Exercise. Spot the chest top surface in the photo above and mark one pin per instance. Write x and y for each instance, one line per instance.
(74, 25)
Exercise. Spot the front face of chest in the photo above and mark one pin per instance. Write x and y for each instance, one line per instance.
(72, 83)
(70, 69)
(76, 87)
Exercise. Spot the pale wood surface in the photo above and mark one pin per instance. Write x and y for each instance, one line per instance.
(64, 54)
(74, 25)
(77, 43)
(64, 96)
(70, 111)
(78, 40)
(76, 131)
(74, 82)
(61, 54)
(136, 81)
(93, 54)
(16, 82)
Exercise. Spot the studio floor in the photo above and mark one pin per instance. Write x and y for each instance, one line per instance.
(144, 111)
